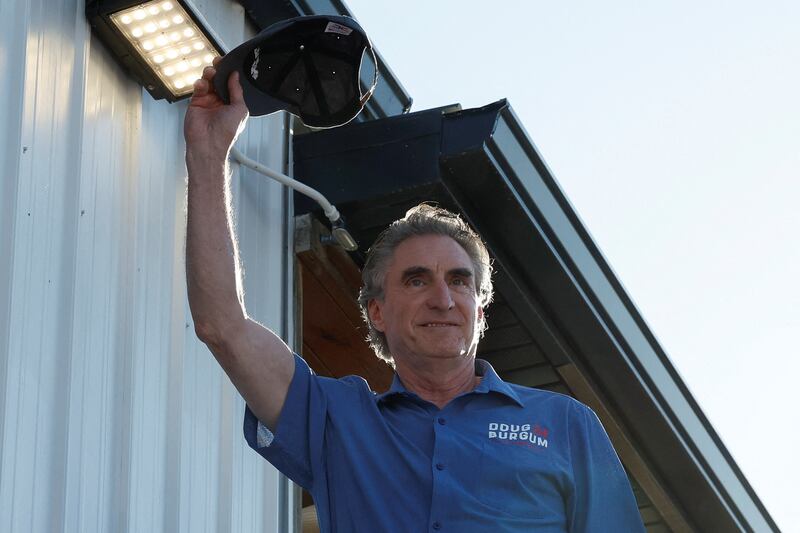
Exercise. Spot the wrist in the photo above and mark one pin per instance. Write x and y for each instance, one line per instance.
(206, 169)
(206, 157)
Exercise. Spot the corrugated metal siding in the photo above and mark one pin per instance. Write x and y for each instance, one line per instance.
(113, 417)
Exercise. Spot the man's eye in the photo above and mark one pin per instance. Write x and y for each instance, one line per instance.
(459, 281)
(415, 282)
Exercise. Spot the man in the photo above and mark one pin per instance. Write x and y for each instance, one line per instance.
(450, 447)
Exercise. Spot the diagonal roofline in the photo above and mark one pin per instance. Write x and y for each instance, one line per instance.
(482, 163)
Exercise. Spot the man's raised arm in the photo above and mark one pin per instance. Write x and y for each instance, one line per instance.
(257, 361)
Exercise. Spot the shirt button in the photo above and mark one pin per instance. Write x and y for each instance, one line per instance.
(437, 525)
(442, 421)
(439, 466)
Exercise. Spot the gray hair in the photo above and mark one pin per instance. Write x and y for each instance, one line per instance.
(424, 219)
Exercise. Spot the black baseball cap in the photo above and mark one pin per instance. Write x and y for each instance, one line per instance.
(309, 66)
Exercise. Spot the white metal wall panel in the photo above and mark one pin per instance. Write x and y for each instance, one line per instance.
(113, 417)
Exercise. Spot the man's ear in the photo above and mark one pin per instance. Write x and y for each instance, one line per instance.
(480, 313)
(375, 311)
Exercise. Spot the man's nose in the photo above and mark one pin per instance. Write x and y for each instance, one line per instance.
(439, 296)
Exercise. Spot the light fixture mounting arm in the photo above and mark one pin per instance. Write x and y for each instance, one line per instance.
(341, 235)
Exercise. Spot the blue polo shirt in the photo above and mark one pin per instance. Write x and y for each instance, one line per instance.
(501, 458)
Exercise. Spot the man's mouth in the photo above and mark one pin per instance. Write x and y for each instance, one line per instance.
(438, 325)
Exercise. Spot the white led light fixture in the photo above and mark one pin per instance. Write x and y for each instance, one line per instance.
(165, 44)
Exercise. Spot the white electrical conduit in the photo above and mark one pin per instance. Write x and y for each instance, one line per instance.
(330, 211)
(341, 235)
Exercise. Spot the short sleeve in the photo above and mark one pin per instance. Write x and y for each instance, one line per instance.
(292, 448)
(601, 500)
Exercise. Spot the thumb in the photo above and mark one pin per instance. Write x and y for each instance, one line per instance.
(235, 91)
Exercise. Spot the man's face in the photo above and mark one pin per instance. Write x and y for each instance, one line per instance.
(430, 306)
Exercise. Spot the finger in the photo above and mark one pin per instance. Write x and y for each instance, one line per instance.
(216, 60)
(208, 73)
(235, 88)
(201, 87)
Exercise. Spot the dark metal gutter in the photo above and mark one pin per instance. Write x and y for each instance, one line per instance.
(482, 163)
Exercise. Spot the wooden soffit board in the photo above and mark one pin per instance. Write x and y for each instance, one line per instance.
(334, 334)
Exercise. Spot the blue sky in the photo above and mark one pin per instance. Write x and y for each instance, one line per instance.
(674, 129)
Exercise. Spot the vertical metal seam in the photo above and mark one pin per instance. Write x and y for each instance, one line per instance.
(288, 505)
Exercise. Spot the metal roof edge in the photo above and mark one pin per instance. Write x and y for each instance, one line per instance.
(646, 359)
(482, 163)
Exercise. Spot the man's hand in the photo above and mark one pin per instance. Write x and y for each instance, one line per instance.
(211, 126)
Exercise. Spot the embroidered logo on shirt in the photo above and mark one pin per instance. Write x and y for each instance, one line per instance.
(522, 434)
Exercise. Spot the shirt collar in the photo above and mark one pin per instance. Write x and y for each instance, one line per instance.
(491, 382)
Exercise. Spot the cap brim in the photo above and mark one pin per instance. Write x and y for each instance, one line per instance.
(258, 102)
